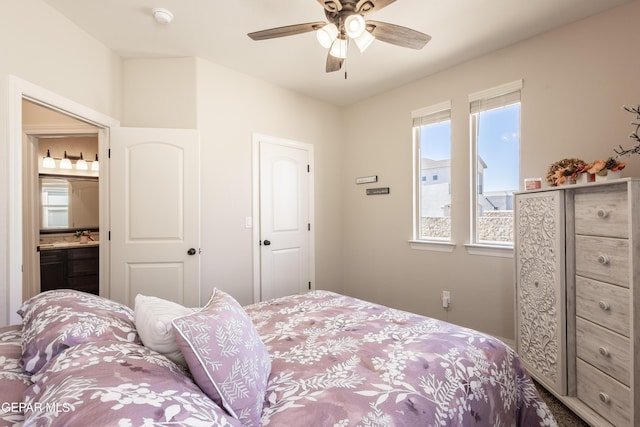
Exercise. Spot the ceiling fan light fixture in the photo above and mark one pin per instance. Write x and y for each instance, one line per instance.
(339, 49)
(364, 41)
(327, 35)
(355, 25)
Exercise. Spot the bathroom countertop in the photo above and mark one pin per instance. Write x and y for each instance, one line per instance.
(67, 245)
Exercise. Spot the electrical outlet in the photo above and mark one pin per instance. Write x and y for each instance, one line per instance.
(446, 299)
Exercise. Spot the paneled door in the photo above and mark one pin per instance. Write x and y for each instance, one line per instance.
(285, 219)
(155, 224)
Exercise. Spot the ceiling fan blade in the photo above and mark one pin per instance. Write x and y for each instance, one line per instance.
(397, 35)
(331, 5)
(367, 6)
(289, 30)
(333, 63)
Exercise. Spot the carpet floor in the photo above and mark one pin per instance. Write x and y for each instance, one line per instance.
(563, 415)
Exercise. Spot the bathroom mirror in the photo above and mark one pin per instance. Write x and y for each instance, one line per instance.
(68, 204)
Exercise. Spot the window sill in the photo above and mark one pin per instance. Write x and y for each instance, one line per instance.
(432, 245)
(490, 250)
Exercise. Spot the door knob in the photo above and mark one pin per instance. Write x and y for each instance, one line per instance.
(191, 251)
(267, 242)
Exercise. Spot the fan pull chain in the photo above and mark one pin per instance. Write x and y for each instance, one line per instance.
(346, 62)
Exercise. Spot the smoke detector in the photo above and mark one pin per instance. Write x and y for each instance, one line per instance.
(162, 16)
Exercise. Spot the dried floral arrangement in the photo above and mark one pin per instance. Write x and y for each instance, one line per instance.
(562, 170)
(570, 169)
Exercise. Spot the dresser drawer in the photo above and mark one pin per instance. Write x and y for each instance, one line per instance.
(602, 211)
(603, 258)
(603, 394)
(604, 304)
(606, 350)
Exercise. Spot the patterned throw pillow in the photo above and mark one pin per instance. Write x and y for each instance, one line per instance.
(153, 322)
(226, 356)
(58, 319)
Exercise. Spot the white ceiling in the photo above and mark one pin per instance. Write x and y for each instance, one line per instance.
(217, 30)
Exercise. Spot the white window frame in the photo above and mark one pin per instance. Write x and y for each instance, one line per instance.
(481, 101)
(49, 207)
(427, 115)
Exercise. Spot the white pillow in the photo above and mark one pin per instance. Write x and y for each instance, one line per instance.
(153, 318)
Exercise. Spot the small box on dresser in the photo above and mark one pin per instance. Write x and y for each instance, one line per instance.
(594, 299)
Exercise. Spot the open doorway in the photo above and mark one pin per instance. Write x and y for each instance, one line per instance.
(60, 201)
(19, 91)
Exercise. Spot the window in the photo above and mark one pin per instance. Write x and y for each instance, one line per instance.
(55, 204)
(432, 166)
(495, 162)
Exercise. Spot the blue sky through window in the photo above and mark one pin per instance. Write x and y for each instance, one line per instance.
(435, 141)
(498, 146)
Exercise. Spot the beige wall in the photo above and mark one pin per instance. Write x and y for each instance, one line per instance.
(576, 80)
(231, 107)
(228, 108)
(160, 93)
(38, 45)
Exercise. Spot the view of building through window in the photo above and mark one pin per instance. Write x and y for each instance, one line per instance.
(435, 180)
(497, 136)
(495, 142)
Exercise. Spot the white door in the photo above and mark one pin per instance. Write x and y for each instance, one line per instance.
(155, 224)
(285, 220)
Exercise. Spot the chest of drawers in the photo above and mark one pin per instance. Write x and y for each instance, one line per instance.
(585, 242)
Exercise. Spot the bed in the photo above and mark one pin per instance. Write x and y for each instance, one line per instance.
(318, 359)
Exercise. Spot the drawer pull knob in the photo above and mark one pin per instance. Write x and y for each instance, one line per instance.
(604, 397)
(603, 259)
(602, 213)
(603, 351)
(604, 305)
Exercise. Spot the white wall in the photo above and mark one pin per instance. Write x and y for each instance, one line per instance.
(576, 80)
(160, 93)
(228, 108)
(231, 107)
(38, 45)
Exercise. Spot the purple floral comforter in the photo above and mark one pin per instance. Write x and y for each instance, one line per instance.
(105, 383)
(339, 361)
(336, 361)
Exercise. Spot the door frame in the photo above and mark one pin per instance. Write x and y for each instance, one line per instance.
(255, 241)
(20, 89)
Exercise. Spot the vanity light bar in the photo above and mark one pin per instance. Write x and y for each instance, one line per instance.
(49, 162)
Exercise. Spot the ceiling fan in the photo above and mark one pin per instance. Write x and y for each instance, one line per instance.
(347, 22)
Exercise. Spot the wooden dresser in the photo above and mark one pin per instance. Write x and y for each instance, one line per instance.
(577, 251)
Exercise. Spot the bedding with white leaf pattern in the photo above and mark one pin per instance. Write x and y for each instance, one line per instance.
(111, 383)
(335, 361)
(338, 361)
(13, 379)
